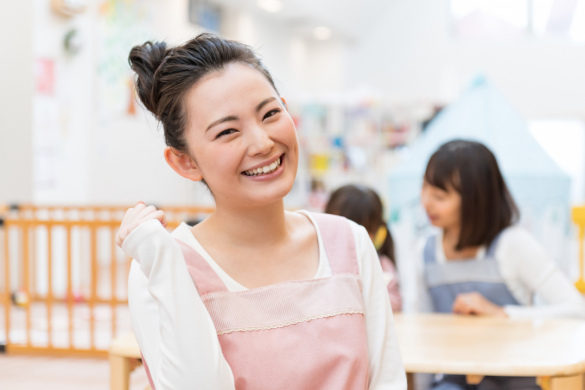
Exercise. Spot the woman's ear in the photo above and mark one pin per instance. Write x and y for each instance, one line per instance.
(183, 164)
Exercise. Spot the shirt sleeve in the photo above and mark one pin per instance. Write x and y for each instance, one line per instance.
(386, 368)
(523, 259)
(173, 329)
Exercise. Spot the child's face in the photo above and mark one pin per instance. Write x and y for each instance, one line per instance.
(237, 123)
(443, 207)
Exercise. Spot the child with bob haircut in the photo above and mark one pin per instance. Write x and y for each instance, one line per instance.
(482, 262)
(253, 297)
(364, 206)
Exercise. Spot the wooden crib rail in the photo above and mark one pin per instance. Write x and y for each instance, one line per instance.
(64, 284)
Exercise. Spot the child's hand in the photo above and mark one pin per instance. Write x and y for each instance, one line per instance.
(135, 216)
(476, 304)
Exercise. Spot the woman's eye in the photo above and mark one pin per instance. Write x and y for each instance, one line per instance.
(271, 113)
(225, 132)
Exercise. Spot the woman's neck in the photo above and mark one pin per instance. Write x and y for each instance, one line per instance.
(246, 226)
(450, 241)
(260, 246)
(451, 235)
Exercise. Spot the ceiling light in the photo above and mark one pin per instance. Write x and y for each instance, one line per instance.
(270, 5)
(322, 32)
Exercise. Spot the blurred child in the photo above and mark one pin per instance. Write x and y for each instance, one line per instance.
(481, 262)
(363, 206)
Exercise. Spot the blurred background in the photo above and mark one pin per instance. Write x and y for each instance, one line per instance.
(374, 87)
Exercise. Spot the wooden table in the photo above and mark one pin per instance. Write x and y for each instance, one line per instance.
(551, 350)
(124, 357)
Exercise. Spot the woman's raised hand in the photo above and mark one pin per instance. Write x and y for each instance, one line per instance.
(474, 303)
(136, 216)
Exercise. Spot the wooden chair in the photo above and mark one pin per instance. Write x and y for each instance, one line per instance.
(124, 357)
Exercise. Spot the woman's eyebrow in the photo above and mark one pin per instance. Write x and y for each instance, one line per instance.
(222, 120)
(264, 102)
(235, 118)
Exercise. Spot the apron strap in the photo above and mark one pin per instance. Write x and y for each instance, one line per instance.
(204, 277)
(339, 243)
(429, 252)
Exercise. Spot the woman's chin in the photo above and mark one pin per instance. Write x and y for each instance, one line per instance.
(436, 223)
(267, 198)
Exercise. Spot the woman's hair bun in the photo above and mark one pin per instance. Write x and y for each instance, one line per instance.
(164, 76)
(145, 60)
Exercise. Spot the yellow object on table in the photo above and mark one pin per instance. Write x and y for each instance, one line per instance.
(124, 357)
(553, 350)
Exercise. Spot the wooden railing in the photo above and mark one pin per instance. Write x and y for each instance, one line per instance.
(64, 285)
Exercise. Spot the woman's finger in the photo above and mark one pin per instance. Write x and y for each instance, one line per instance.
(145, 211)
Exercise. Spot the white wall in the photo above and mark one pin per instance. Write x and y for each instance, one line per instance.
(126, 162)
(300, 64)
(63, 118)
(16, 174)
(408, 53)
(84, 149)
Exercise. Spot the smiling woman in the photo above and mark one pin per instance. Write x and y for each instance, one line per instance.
(237, 114)
(253, 297)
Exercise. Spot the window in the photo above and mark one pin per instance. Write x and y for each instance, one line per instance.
(515, 19)
(564, 141)
(489, 19)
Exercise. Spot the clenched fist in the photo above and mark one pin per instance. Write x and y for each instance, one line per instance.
(136, 216)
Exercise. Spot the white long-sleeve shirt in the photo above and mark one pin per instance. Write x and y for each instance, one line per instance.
(527, 271)
(176, 334)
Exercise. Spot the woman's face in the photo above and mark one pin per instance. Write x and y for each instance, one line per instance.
(241, 137)
(443, 207)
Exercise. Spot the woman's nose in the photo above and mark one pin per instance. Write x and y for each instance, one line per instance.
(260, 141)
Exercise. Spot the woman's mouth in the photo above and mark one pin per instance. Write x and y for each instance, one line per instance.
(265, 170)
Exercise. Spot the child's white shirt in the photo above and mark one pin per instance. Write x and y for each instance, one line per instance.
(527, 271)
(177, 337)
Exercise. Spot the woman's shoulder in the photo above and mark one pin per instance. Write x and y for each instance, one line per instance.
(516, 235)
(182, 232)
(332, 223)
(337, 229)
(321, 216)
(515, 242)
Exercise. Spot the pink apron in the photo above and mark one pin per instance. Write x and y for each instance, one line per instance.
(305, 334)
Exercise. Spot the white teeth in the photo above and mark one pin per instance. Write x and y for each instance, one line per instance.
(264, 169)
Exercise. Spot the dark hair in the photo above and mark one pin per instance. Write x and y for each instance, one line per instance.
(164, 75)
(363, 206)
(471, 169)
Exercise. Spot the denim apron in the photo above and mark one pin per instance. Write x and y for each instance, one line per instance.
(447, 280)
